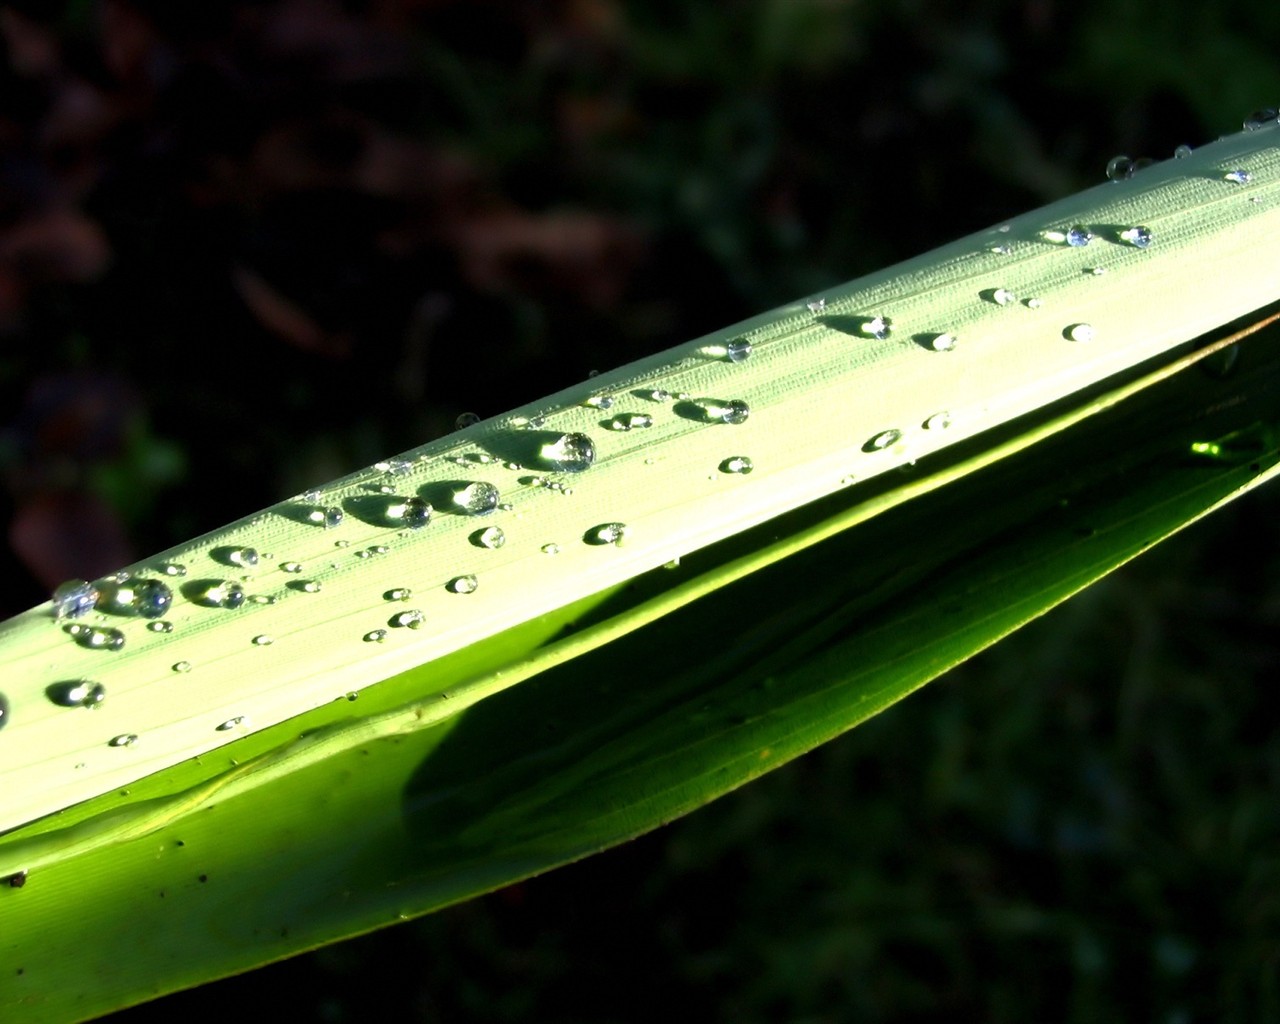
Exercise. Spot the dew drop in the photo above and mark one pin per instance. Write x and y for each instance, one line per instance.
(599, 402)
(4, 711)
(377, 549)
(263, 599)
(737, 464)
(231, 723)
(416, 513)
(375, 636)
(817, 305)
(125, 739)
(1002, 297)
(222, 594)
(332, 517)
(462, 585)
(151, 598)
(263, 640)
(737, 350)
(73, 599)
(942, 342)
(657, 394)
(181, 667)
(173, 569)
(1078, 332)
(244, 557)
(1000, 250)
(466, 419)
(308, 586)
(938, 421)
(490, 537)
(477, 499)
(1238, 177)
(1095, 271)
(1181, 152)
(568, 453)
(412, 619)
(630, 421)
(1078, 236)
(883, 440)
(879, 327)
(293, 567)
(550, 549)
(1120, 168)
(77, 693)
(606, 533)
(1139, 236)
(97, 638)
(160, 626)
(397, 594)
(1261, 118)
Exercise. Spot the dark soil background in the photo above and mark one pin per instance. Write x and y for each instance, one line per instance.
(248, 246)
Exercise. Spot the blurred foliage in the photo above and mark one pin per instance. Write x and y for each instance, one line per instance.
(247, 245)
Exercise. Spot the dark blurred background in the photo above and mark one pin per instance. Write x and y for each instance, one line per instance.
(249, 246)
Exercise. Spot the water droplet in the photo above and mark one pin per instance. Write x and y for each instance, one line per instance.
(568, 453)
(1238, 177)
(307, 586)
(379, 549)
(817, 305)
(231, 723)
(96, 638)
(327, 517)
(416, 513)
(879, 327)
(714, 410)
(125, 739)
(73, 599)
(77, 693)
(653, 394)
(160, 626)
(222, 594)
(466, 419)
(942, 342)
(4, 711)
(263, 599)
(477, 499)
(294, 567)
(737, 350)
(375, 636)
(181, 667)
(263, 640)
(1000, 250)
(151, 598)
(1033, 303)
(630, 421)
(462, 585)
(1138, 236)
(398, 594)
(245, 557)
(1002, 296)
(938, 421)
(599, 402)
(550, 549)
(1261, 118)
(883, 440)
(490, 537)
(1078, 236)
(606, 533)
(737, 464)
(1181, 152)
(1120, 168)
(412, 619)
(1078, 332)
(173, 569)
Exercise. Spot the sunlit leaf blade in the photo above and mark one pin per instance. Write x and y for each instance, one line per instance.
(626, 737)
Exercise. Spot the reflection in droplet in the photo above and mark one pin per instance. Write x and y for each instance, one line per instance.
(1078, 236)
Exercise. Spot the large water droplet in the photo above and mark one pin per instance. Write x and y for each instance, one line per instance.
(462, 585)
(151, 598)
(737, 464)
(77, 693)
(247, 558)
(1139, 236)
(1238, 177)
(568, 453)
(412, 619)
(125, 739)
(416, 513)
(883, 440)
(1261, 118)
(1002, 296)
(327, 517)
(737, 350)
(73, 599)
(715, 410)
(490, 537)
(221, 594)
(466, 419)
(477, 499)
(606, 533)
(1181, 152)
(96, 638)
(1120, 168)
(1078, 332)
(1078, 236)
(630, 421)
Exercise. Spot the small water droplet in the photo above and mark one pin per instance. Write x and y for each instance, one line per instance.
(490, 537)
(599, 402)
(1120, 168)
(568, 453)
(4, 711)
(630, 421)
(477, 499)
(941, 342)
(173, 569)
(222, 594)
(263, 599)
(737, 350)
(293, 567)
(375, 636)
(311, 497)
(73, 599)
(125, 739)
(231, 723)
(737, 464)
(1261, 118)
(938, 421)
(1095, 271)
(1000, 250)
(817, 305)
(307, 586)
(550, 549)
(1238, 177)
(1002, 296)
(412, 619)
(181, 667)
(1139, 236)
(1181, 152)
(462, 585)
(245, 557)
(77, 693)
(1078, 236)
(734, 412)
(394, 467)
(378, 549)
(416, 513)
(1078, 332)
(606, 533)
(653, 394)
(397, 594)
(883, 440)
(96, 638)
(160, 626)
(327, 517)
(1033, 302)
(879, 327)
(263, 640)
(466, 419)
